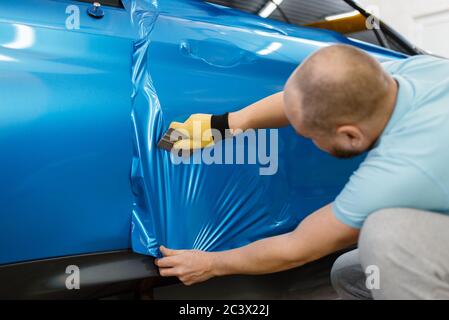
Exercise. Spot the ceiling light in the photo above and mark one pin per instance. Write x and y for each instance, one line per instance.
(342, 15)
(269, 7)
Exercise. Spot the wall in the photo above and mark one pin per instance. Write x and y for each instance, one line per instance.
(424, 23)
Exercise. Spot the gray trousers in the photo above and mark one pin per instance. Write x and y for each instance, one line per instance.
(402, 254)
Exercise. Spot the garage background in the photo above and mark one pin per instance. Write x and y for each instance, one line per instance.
(420, 22)
(424, 23)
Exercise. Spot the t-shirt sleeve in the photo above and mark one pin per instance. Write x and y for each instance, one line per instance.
(391, 66)
(382, 183)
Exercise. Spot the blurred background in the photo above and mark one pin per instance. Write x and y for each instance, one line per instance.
(423, 23)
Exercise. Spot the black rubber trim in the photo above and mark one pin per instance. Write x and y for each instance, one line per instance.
(101, 275)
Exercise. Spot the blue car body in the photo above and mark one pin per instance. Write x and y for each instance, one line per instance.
(65, 103)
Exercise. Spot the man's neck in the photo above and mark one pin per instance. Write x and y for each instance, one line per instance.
(389, 105)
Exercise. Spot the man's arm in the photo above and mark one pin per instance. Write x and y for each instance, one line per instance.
(316, 236)
(265, 113)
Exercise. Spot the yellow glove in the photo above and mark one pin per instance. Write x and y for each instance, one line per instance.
(198, 130)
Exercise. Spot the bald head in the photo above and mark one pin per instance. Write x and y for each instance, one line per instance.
(341, 98)
(336, 85)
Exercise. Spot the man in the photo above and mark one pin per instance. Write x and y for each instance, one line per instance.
(394, 206)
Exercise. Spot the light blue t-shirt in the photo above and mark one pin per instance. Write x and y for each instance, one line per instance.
(409, 165)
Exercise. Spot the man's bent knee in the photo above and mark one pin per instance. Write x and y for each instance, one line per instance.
(386, 247)
(381, 233)
(348, 278)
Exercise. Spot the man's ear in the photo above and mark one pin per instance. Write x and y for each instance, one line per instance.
(352, 135)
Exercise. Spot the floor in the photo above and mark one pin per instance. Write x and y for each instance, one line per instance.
(311, 282)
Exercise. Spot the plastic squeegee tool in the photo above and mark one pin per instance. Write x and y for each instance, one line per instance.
(170, 138)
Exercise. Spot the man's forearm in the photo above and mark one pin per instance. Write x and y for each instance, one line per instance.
(318, 235)
(260, 257)
(265, 113)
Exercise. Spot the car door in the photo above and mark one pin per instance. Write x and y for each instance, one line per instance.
(65, 130)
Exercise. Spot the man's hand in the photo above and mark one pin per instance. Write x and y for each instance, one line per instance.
(190, 266)
(202, 129)
(198, 130)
